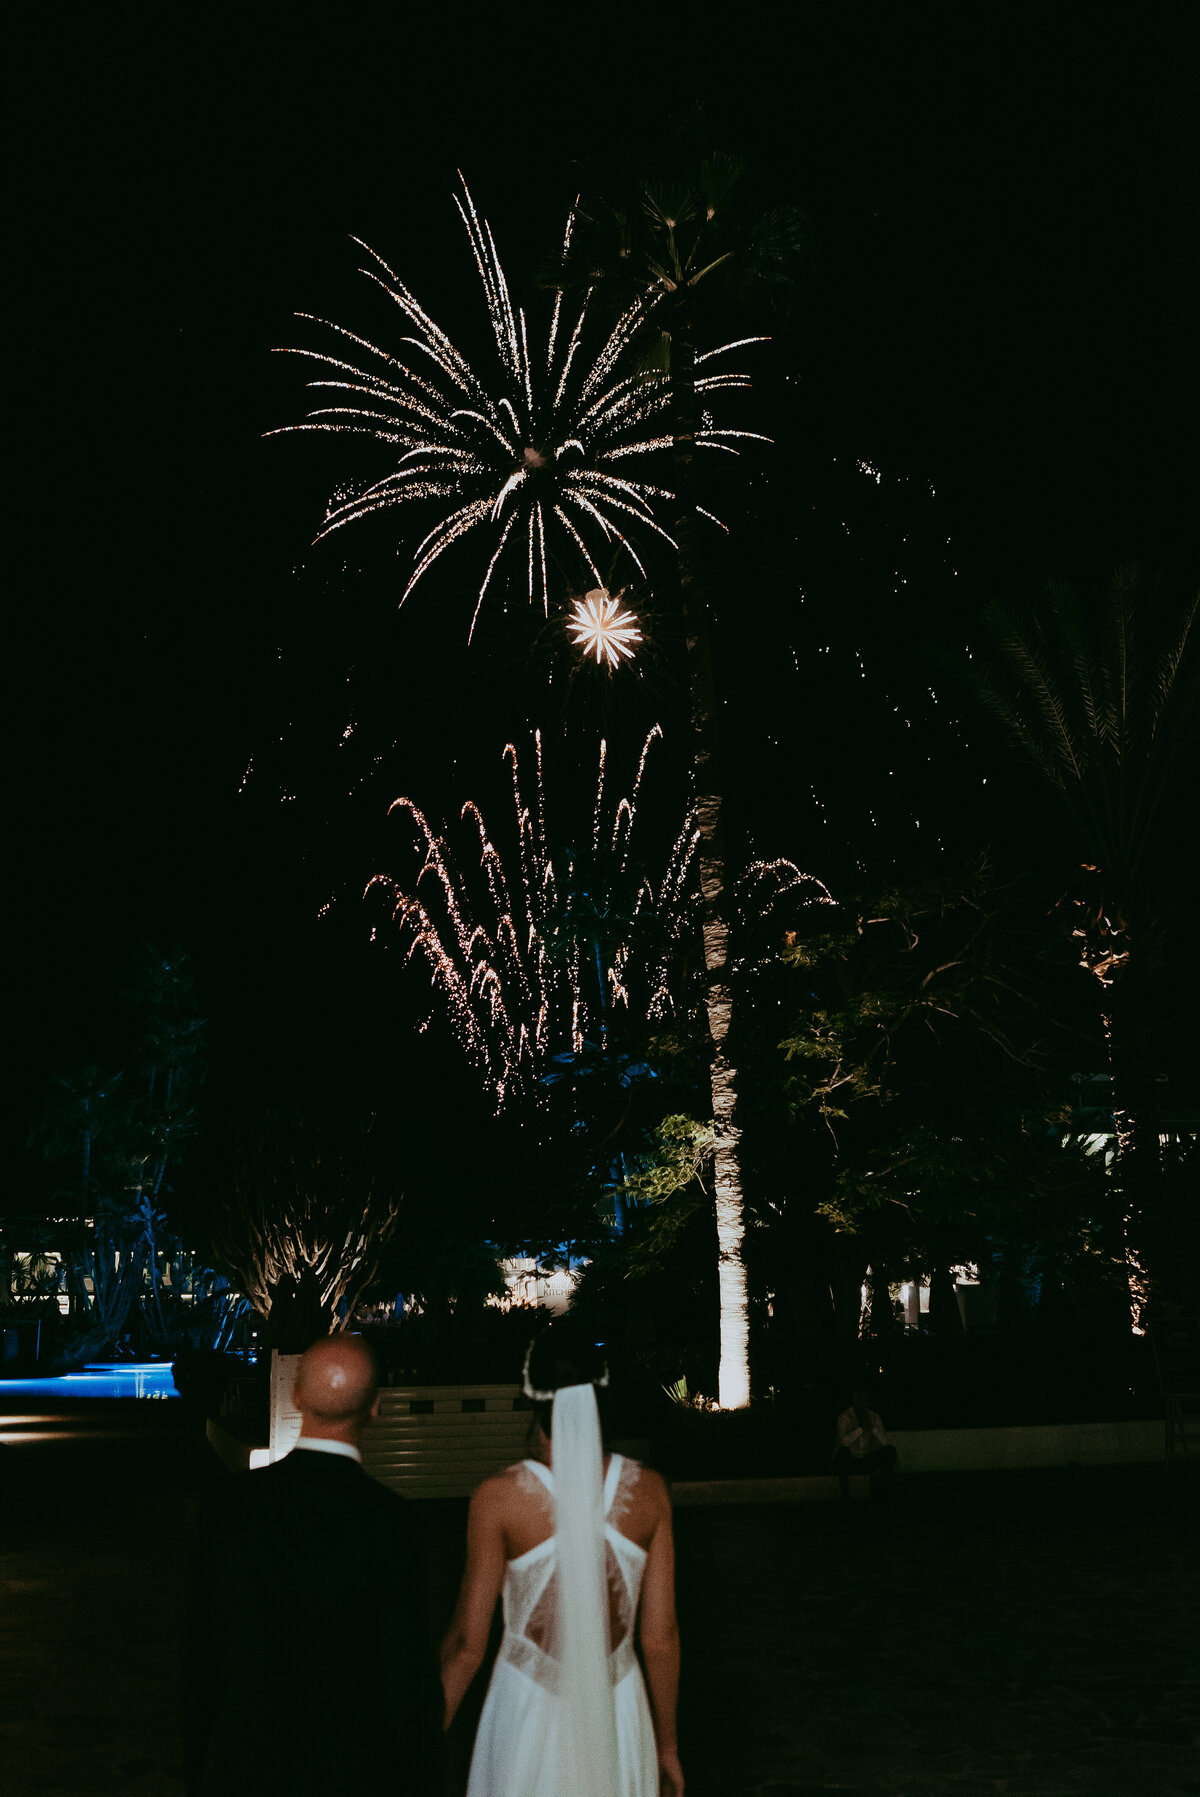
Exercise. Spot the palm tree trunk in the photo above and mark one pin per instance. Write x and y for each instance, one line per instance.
(116, 1279)
(152, 1266)
(150, 1214)
(734, 1371)
(85, 1176)
(1127, 1172)
(1108, 954)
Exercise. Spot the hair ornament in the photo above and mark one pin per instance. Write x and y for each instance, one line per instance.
(547, 1397)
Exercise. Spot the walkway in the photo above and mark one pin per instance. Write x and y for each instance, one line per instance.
(1027, 1636)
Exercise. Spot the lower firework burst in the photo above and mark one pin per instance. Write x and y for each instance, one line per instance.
(534, 950)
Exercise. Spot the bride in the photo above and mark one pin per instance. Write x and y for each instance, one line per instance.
(579, 1541)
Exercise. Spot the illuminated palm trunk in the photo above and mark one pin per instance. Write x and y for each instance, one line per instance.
(734, 1374)
(1108, 956)
(1126, 1169)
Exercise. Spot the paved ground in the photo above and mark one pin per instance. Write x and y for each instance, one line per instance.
(1025, 1636)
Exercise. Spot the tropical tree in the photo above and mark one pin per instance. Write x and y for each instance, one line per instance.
(1099, 697)
(299, 1218)
(30, 1259)
(121, 1134)
(668, 242)
(86, 1122)
(80, 1106)
(163, 1117)
(930, 1058)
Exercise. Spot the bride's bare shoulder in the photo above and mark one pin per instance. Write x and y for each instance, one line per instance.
(507, 1480)
(512, 1487)
(652, 1485)
(652, 1488)
(641, 1503)
(497, 1490)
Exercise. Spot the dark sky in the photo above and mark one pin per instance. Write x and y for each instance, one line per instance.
(998, 320)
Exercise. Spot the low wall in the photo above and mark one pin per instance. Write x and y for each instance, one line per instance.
(427, 1441)
(955, 1451)
(1132, 1443)
(818, 1486)
(442, 1440)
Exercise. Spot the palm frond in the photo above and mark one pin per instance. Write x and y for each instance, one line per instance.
(670, 204)
(1101, 717)
(719, 175)
(1122, 655)
(1037, 704)
(1074, 653)
(999, 701)
(1169, 697)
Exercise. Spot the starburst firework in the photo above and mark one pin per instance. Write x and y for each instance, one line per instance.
(600, 627)
(533, 462)
(534, 954)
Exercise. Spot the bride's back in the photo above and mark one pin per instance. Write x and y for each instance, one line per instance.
(513, 1553)
(530, 1590)
(527, 1508)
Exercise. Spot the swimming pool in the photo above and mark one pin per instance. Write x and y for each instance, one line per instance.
(106, 1379)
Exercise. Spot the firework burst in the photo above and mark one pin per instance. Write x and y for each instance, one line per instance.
(599, 627)
(535, 462)
(534, 954)
(765, 884)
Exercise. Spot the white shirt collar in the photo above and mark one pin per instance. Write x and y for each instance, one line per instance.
(344, 1448)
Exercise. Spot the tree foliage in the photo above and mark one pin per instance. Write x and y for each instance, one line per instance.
(1101, 697)
(659, 242)
(116, 1138)
(1098, 695)
(932, 1054)
(300, 1215)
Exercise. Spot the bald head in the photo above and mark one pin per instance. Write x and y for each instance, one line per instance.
(335, 1389)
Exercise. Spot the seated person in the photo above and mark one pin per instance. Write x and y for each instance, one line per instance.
(862, 1444)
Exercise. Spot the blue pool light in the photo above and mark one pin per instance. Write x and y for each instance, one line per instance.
(105, 1379)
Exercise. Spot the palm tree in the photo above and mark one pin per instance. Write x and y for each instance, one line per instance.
(106, 1251)
(163, 1119)
(79, 1106)
(124, 1132)
(1100, 709)
(300, 1222)
(663, 244)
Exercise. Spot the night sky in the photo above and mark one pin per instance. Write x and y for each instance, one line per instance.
(997, 323)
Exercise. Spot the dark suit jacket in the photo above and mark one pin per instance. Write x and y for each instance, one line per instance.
(308, 1664)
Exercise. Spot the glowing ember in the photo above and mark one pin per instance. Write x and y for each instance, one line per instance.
(600, 627)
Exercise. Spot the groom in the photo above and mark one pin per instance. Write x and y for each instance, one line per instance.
(307, 1659)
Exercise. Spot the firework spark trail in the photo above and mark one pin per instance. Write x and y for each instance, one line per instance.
(764, 883)
(531, 459)
(487, 931)
(599, 796)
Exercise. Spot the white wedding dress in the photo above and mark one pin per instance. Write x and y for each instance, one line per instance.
(516, 1745)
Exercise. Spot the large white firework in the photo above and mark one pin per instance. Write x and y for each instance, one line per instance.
(535, 460)
(534, 952)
